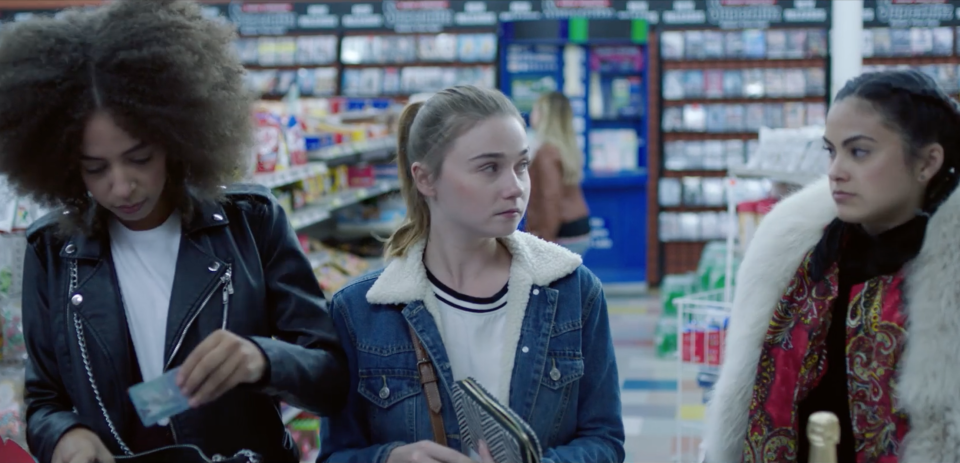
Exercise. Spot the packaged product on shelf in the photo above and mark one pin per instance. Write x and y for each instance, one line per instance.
(713, 83)
(734, 153)
(693, 45)
(713, 44)
(11, 315)
(747, 220)
(689, 226)
(267, 52)
(732, 83)
(440, 47)
(13, 247)
(733, 44)
(665, 335)
(776, 44)
(713, 156)
(816, 43)
(269, 141)
(694, 118)
(882, 42)
(671, 45)
(796, 46)
(693, 84)
(866, 47)
(794, 115)
(754, 44)
(921, 41)
(942, 41)
(901, 42)
(947, 77)
(673, 85)
(360, 176)
(716, 331)
(773, 83)
(693, 150)
(816, 81)
(674, 156)
(670, 192)
(754, 117)
(714, 191)
(716, 117)
(693, 344)
(773, 115)
(673, 119)
(733, 118)
(669, 226)
(794, 83)
(12, 424)
(753, 83)
(816, 114)
(247, 50)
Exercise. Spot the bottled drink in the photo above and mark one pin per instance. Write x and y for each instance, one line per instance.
(823, 431)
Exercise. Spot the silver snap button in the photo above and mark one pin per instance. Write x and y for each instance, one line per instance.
(555, 374)
(76, 299)
(70, 249)
(384, 392)
(66, 212)
(214, 267)
(536, 292)
(218, 217)
(164, 422)
(525, 349)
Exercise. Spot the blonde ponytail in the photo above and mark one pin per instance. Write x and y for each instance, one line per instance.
(417, 222)
(426, 131)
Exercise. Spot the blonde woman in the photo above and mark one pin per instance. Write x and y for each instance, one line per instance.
(465, 294)
(557, 210)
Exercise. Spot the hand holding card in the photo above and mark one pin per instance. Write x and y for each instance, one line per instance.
(221, 362)
(159, 399)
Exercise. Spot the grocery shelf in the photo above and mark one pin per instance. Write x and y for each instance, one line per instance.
(289, 175)
(380, 228)
(320, 211)
(796, 178)
(379, 149)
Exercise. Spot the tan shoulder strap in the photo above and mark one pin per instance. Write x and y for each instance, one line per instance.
(428, 378)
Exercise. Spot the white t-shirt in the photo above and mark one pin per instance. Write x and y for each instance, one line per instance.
(146, 262)
(474, 327)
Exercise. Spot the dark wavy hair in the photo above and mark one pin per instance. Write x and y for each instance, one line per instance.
(913, 104)
(167, 75)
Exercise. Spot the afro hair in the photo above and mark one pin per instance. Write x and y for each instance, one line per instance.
(169, 76)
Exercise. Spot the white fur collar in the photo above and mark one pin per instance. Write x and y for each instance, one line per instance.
(535, 262)
(928, 382)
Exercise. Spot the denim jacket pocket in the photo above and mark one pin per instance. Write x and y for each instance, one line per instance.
(387, 387)
(562, 369)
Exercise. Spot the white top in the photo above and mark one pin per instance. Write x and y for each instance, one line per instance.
(476, 328)
(146, 262)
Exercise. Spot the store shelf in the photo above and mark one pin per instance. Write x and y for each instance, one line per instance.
(910, 60)
(707, 100)
(742, 64)
(693, 173)
(615, 179)
(421, 64)
(290, 175)
(692, 208)
(694, 136)
(380, 149)
(321, 211)
(795, 178)
(382, 229)
(363, 114)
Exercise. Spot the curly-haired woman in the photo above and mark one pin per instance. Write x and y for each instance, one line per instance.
(129, 118)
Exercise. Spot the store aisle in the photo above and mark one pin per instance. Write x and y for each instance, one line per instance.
(648, 383)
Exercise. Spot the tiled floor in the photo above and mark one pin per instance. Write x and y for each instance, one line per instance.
(649, 384)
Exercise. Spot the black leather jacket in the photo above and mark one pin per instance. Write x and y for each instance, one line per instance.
(242, 251)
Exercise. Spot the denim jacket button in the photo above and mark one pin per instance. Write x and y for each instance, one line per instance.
(555, 374)
(525, 349)
(536, 292)
(385, 392)
(76, 299)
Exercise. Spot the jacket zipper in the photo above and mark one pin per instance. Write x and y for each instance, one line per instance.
(226, 283)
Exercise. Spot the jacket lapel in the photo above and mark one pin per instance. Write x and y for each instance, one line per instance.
(198, 275)
(426, 329)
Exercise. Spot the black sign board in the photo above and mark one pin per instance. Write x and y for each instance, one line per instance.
(433, 16)
(910, 13)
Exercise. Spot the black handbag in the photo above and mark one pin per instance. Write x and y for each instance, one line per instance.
(187, 454)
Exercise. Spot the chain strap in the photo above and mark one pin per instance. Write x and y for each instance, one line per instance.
(82, 341)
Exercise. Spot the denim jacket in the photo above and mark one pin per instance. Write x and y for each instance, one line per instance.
(558, 318)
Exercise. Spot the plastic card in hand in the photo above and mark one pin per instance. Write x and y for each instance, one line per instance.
(483, 419)
(158, 399)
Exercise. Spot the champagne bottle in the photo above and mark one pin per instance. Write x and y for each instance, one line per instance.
(823, 431)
